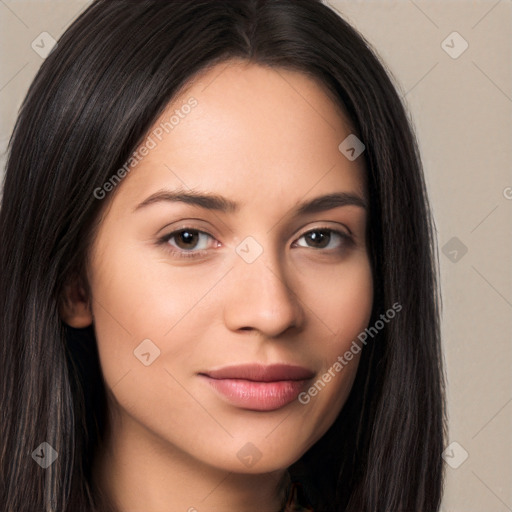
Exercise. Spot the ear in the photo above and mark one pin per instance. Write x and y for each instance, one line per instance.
(74, 307)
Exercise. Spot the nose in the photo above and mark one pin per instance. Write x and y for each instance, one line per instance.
(259, 298)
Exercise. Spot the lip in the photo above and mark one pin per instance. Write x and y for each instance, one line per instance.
(258, 387)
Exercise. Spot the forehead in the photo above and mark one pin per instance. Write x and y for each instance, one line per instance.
(248, 131)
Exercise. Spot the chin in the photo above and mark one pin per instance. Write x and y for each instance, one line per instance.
(247, 457)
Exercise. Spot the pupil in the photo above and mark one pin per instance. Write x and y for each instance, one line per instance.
(187, 238)
(319, 238)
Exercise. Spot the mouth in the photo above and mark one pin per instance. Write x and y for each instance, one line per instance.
(258, 387)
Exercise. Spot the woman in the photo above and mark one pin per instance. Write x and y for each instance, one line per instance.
(218, 284)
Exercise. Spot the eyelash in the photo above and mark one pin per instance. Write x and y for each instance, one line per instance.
(180, 253)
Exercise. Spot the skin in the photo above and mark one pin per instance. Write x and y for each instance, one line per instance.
(267, 139)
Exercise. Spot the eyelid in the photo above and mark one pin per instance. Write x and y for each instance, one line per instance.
(328, 228)
(195, 224)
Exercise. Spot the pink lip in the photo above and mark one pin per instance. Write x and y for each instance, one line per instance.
(259, 387)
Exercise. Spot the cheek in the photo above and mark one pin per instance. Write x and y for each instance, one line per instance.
(137, 298)
(344, 310)
(341, 299)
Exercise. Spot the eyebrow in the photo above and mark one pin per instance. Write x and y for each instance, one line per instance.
(222, 204)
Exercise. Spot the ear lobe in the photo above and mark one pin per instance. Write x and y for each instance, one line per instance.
(74, 307)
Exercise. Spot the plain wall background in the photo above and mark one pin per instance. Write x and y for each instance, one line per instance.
(461, 108)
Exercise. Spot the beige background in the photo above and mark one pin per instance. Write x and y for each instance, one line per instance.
(461, 108)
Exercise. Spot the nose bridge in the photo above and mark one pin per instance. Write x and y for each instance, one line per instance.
(261, 296)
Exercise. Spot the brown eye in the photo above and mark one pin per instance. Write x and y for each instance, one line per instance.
(188, 240)
(323, 239)
(319, 239)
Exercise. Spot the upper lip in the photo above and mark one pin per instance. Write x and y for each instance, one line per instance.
(261, 373)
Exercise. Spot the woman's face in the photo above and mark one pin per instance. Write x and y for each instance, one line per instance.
(216, 251)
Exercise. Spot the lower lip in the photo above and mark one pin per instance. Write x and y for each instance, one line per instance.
(257, 396)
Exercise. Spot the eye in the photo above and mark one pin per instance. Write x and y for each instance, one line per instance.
(324, 238)
(188, 241)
